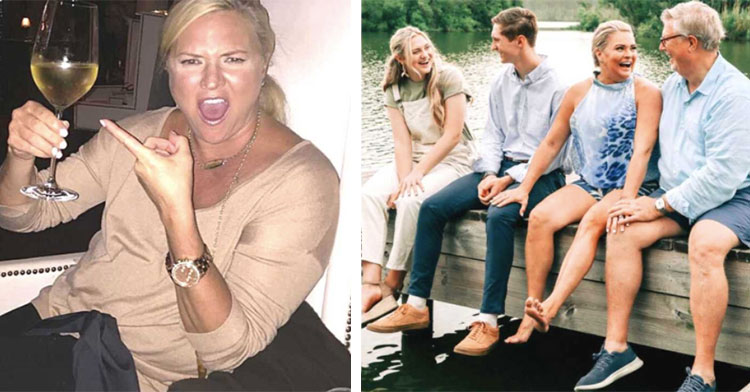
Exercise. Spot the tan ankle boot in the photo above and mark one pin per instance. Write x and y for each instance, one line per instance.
(405, 318)
(480, 340)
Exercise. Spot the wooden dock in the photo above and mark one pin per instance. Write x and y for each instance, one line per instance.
(661, 315)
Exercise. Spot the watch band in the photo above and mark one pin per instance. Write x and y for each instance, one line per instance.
(188, 272)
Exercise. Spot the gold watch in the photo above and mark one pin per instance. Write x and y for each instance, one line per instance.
(188, 272)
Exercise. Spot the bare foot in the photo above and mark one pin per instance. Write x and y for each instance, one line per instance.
(535, 310)
(524, 331)
(371, 294)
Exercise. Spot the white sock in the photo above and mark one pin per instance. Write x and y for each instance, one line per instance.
(489, 318)
(417, 302)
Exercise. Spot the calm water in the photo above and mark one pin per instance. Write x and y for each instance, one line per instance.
(553, 361)
(550, 362)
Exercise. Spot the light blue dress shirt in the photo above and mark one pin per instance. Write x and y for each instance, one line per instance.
(704, 139)
(521, 113)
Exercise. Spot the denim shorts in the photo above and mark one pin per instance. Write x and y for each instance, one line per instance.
(598, 193)
(734, 214)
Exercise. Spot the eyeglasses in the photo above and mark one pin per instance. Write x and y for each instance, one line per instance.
(664, 40)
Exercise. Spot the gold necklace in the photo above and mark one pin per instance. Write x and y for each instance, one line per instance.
(236, 176)
(214, 163)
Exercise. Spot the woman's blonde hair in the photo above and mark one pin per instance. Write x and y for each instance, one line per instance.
(401, 48)
(602, 33)
(272, 98)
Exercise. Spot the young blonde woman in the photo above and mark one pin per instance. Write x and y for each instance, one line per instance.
(613, 118)
(425, 101)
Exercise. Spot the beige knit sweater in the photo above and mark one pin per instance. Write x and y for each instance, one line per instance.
(274, 243)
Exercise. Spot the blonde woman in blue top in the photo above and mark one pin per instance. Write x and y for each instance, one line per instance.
(613, 118)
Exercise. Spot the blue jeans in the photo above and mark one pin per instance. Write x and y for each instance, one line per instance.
(453, 201)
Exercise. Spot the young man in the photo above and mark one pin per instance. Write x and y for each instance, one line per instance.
(704, 138)
(523, 103)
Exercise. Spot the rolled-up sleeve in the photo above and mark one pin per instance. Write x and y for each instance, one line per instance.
(727, 160)
(281, 254)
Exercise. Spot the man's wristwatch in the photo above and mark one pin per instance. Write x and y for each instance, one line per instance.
(188, 272)
(661, 206)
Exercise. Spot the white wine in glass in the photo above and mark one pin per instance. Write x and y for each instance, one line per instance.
(64, 66)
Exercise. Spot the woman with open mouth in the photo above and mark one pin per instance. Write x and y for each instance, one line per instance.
(425, 101)
(613, 118)
(219, 219)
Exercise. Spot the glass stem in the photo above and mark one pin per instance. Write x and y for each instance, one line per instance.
(51, 183)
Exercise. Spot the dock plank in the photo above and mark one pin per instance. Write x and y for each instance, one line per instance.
(661, 316)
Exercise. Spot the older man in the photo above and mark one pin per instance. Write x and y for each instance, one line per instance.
(704, 136)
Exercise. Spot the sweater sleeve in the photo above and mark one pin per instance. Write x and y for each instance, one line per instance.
(87, 172)
(281, 254)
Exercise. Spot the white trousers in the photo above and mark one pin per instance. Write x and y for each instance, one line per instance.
(375, 194)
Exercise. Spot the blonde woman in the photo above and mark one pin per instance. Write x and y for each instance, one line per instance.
(219, 221)
(613, 118)
(425, 101)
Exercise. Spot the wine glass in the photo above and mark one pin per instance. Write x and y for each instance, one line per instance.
(64, 65)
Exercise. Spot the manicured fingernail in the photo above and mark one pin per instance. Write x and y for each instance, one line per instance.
(55, 151)
(58, 155)
(63, 132)
(103, 123)
(63, 144)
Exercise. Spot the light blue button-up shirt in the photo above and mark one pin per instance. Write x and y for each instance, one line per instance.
(704, 139)
(520, 115)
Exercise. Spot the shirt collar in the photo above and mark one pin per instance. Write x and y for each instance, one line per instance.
(535, 74)
(710, 80)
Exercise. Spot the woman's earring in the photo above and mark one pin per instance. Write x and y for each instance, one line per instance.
(403, 72)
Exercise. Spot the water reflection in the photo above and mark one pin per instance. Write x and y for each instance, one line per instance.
(551, 362)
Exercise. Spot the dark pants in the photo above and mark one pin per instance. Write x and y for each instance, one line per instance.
(303, 356)
(453, 201)
(40, 363)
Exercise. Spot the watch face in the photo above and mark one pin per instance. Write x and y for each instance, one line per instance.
(185, 274)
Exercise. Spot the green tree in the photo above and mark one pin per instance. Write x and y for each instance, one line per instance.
(482, 11)
(432, 15)
(383, 15)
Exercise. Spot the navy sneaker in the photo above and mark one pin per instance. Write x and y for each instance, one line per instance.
(609, 367)
(695, 383)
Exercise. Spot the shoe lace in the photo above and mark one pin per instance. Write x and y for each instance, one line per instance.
(477, 328)
(603, 360)
(692, 383)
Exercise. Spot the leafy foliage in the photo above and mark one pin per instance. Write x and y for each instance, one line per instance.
(591, 16)
(432, 15)
(644, 15)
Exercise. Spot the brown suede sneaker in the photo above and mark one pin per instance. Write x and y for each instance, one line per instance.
(480, 340)
(405, 318)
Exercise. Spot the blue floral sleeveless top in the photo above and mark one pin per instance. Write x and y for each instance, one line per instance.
(603, 128)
